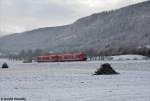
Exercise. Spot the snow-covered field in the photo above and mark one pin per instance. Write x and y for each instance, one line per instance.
(73, 81)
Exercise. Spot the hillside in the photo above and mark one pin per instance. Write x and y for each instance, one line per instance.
(125, 27)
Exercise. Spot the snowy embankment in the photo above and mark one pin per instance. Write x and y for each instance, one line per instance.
(129, 57)
(72, 81)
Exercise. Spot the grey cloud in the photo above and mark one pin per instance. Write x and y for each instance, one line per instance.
(30, 14)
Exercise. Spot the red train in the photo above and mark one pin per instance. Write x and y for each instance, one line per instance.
(62, 57)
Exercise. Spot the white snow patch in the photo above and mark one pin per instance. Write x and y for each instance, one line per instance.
(129, 57)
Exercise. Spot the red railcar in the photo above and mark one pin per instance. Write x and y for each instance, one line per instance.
(46, 58)
(62, 57)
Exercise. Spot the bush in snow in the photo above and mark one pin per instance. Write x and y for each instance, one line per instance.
(105, 69)
(5, 65)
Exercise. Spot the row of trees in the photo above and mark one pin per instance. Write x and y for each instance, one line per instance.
(26, 54)
(90, 52)
(118, 51)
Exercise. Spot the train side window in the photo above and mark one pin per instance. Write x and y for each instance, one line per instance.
(53, 57)
(68, 57)
(77, 56)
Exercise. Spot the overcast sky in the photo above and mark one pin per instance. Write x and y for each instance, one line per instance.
(22, 15)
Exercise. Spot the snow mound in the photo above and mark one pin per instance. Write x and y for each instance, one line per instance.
(129, 57)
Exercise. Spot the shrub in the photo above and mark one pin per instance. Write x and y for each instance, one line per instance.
(105, 69)
(5, 65)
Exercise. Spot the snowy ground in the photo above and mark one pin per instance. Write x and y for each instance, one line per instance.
(73, 81)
